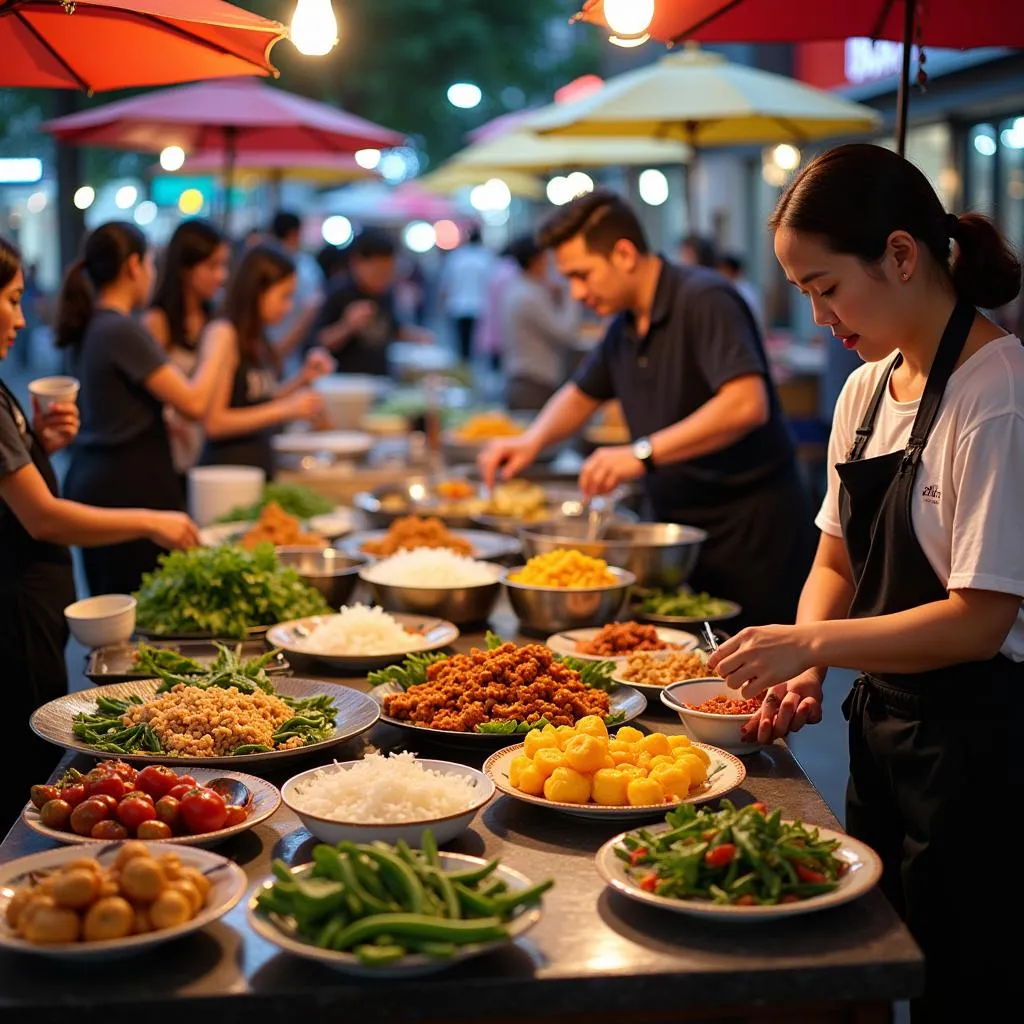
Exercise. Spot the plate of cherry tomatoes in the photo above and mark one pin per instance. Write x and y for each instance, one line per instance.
(115, 801)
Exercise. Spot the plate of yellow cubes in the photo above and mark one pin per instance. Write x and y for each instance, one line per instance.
(586, 771)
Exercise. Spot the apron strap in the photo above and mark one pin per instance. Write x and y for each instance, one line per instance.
(950, 346)
(867, 425)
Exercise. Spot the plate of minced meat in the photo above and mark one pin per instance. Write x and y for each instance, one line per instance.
(490, 696)
(618, 640)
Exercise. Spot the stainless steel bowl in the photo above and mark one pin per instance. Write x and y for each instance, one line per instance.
(658, 554)
(546, 610)
(462, 605)
(334, 573)
(414, 497)
(565, 503)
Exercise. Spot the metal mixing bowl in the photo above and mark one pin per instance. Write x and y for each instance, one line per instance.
(334, 573)
(462, 605)
(658, 554)
(546, 610)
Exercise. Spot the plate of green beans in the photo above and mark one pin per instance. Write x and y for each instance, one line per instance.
(383, 910)
(737, 864)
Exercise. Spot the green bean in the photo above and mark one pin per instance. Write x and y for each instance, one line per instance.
(377, 956)
(436, 950)
(428, 845)
(368, 877)
(522, 898)
(419, 926)
(398, 877)
(349, 879)
(446, 889)
(251, 748)
(474, 904)
(471, 875)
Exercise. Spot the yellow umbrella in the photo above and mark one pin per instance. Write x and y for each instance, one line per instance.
(698, 97)
(451, 177)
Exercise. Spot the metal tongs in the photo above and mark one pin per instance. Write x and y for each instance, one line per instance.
(709, 636)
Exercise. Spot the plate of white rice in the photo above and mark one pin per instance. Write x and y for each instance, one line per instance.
(436, 568)
(387, 797)
(360, 638)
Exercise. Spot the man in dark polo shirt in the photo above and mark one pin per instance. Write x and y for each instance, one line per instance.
(685, 359)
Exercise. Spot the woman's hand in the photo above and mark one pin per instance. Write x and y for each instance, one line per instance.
(787, 708)
(305, 404)
(173, 530)
(760, 657)
(58, 427)
(318, 363)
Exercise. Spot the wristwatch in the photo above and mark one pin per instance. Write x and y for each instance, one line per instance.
(644, 451)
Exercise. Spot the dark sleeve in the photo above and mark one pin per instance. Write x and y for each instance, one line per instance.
(134, 351)
(721, 333)
(594, 377)
(14, 451)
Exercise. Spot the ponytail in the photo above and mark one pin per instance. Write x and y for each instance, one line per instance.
(986, 271)
(104, 255)
(10, 262)
(75, 306)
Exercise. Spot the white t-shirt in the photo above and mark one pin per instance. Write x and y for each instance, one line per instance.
(968, 504)
(467, 271)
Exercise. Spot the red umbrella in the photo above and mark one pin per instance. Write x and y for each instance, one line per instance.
(107, 44)
(236, 116)
(950, 23)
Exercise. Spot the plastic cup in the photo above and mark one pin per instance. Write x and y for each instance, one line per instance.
(216, 490)
(49, 391)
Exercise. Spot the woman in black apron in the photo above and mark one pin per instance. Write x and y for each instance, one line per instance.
(250, 404)
(922, 589)
(122, 457)
(36, 581)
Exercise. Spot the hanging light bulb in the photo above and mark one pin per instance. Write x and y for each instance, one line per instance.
(314, 28)
(629, 20)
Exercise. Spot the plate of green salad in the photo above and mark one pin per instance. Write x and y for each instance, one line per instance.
(683, 607)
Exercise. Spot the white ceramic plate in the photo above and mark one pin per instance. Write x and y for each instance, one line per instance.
(356, 713)
(623, 699)
(278, 931)
(726, 772)
(865, 871)
(344, 443)
(265, 800)
(651, 691)
(446, 828)
(487, 545)
(228, 885)
(565, 642)
(290, 636)
(330, 525)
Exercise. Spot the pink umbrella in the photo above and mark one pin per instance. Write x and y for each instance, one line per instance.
(412, 201)
(233, 116)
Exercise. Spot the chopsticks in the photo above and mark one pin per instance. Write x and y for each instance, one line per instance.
(709, 637)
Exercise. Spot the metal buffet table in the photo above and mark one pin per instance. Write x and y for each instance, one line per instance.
(595, 956)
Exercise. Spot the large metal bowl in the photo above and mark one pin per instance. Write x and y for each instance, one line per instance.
(564, 503)
(416, 496)
(463, 605)
(334, 573)
(658, 554)
(546, 610)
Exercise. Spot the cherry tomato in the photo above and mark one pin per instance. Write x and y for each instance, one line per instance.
(720, 856)
(40, 795)
(153, 830)
(649, 882)
(108, 801)
(56, 813)
(137, 794)
(746, 900)
(188, 780)
(107, 782)
(108, 829)
(168, 810)
(87, 814)
(132, 813)
(807, 874)
(236, 814)
(122, 768)
(637, 855)
(74, 794)
(202, 810)
(179, 790)
(157, 780)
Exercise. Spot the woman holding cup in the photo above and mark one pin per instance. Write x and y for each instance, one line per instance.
(36, 525)
(122, 455)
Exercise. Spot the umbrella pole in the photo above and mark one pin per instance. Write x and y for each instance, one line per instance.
(690, 179)
(230, 152)
(903, 95)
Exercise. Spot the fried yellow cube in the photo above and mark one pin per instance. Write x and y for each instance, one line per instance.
(565, 733)
(674, 779)
(661, 759)
(627, 734)
(516, 767)
(593, 725)
(566, 786)
(585, 753)
(539, 740)
(701, 753)
(610, 788)
(645, 791)
(675, 742)
(621, 757)
(632, 771)
(530, 780)
(697, 768)
(547, 760)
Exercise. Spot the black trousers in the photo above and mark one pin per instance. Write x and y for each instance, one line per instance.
(465, 327)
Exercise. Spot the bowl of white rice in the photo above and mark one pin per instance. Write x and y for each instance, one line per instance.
(387, 797)
(435, 581)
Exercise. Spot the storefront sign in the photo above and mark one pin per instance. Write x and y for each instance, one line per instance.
(26, 170)
(868, 60)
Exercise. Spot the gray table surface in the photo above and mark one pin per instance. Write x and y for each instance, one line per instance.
(594, 954)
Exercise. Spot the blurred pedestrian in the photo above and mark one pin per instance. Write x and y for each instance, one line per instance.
(358, 320)
(491, 341)
(250, 402)
(292, 330)
(463, 288)
(540, 326)
(731, 266)
(697, 251)
(193, 271)
(121, 457)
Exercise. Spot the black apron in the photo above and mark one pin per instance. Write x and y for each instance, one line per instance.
(36, 585)
(138, 473)
(934, 768)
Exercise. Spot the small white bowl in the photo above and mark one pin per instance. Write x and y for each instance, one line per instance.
(724, 731)
(101, 620)
(333, 830)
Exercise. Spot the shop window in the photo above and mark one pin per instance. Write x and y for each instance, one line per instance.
(982, 145)
(1011, 184)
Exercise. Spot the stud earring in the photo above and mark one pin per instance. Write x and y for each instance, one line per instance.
(904, 276)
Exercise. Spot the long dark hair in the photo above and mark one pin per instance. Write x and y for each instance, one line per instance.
(10, 262)
(104, 255)
(193, 242)
(855, 196)
(262, 267)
